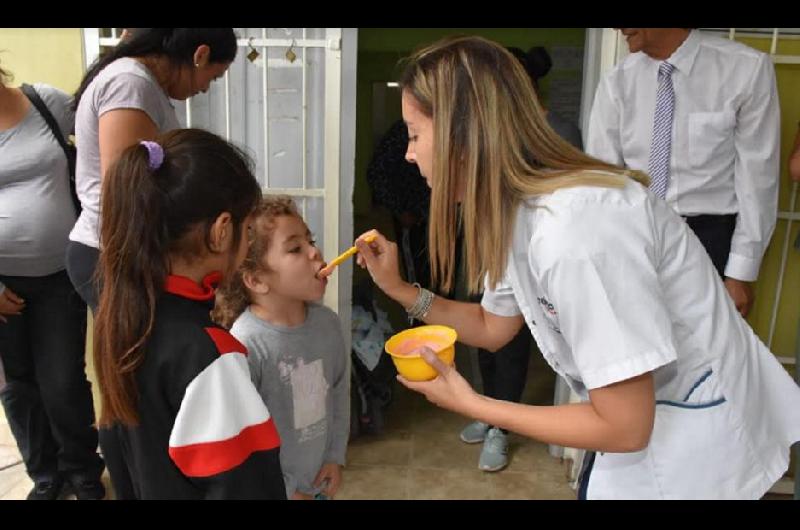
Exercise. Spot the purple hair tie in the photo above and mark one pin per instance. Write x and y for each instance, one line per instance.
(155, 154)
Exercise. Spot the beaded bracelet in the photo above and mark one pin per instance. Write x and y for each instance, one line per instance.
(422, 305)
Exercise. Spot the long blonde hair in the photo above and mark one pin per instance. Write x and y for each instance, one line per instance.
(491, 137)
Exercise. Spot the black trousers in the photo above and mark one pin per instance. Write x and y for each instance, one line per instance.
(505, 371)
(715, 232)
(81, 265)
(47, 398)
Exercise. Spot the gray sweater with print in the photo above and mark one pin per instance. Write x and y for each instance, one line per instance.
(301, 373)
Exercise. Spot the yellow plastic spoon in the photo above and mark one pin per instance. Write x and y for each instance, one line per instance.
(328, 269)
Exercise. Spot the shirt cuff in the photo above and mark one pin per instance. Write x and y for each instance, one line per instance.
(626, 369)
(500, 308)
(336, 457)
(742, 268)
(291, 485)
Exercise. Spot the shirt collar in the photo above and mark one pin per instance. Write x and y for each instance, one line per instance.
(683, 58)
(188, 288)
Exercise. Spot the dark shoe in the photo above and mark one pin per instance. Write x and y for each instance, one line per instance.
(46, 490)
(87, 489)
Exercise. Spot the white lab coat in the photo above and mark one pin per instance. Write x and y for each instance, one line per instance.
(614, 284)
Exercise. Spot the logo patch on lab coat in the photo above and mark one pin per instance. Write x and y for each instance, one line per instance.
(550, 311)
(548, 306)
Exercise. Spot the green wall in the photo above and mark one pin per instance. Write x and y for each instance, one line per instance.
(788, 79)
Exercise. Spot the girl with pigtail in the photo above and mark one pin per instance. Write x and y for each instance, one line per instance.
(178, 408)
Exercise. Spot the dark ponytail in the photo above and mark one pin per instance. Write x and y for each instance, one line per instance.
(177, 44)
(147, 216)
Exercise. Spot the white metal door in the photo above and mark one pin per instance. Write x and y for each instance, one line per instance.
(285, 109)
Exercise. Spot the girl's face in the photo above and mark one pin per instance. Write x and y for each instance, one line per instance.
(420, 136)
(293, 261)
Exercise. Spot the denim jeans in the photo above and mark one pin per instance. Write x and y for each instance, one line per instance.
(47, 398)
(81, 265)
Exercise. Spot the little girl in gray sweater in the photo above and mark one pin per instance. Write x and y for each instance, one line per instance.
(295, 347)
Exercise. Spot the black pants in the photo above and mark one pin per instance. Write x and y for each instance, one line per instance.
(504, 372)
(47, 398)
(81, 265)
(715, 232)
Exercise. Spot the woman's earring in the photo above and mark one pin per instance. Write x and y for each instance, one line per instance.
(253, 55)
(197, 65)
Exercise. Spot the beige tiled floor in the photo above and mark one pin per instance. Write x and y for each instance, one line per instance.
(419, 456)
(14, 481)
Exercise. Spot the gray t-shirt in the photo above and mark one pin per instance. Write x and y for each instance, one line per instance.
(124, 84)
(301, 373)
(36, 211)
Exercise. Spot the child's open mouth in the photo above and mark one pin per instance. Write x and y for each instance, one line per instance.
(320, 277)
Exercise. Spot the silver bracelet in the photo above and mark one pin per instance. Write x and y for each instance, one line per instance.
(422, 305)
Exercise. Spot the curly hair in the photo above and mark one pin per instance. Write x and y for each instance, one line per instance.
(232, 298)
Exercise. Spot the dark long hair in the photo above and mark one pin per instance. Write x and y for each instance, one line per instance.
(176, 44)
(147, 216)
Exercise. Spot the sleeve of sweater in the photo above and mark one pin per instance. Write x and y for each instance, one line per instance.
(223, 438)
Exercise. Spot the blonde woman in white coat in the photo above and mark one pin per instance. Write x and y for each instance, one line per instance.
(682, 400)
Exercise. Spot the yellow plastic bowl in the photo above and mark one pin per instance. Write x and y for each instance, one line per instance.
(440, 339)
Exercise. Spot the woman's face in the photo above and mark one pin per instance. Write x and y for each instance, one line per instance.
(420, 136)
(194, 80)
(204, 75)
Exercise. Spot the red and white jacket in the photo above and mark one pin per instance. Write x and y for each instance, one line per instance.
(204, 430)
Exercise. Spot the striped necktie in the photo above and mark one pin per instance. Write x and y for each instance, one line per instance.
(661, 146)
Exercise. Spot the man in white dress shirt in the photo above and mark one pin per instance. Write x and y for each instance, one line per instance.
(701, 115)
